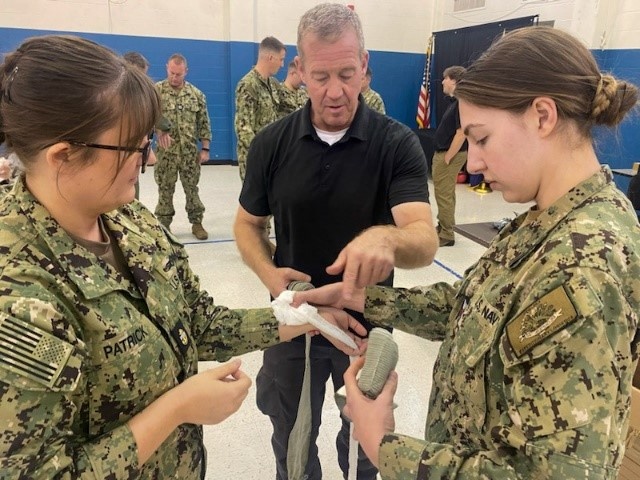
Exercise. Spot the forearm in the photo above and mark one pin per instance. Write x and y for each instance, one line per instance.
(422, 311)
(155, 423)
(254, 247)
(415, 244)
(412, 244)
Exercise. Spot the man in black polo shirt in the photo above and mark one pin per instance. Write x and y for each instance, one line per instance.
(448, 159)
(348, 191)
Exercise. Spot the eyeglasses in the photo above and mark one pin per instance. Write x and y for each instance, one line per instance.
(144, 150)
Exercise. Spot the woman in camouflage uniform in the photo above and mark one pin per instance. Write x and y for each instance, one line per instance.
(102, 322)
(539, 339)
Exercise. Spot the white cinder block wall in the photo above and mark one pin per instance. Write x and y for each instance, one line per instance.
(390, 25)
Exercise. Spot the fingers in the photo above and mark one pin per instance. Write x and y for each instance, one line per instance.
(338, 265)
(309, 296)
(329, 295)
(356, 326)
(229, 369)
(350, 377)
(350, 279)
(297, 275)
(390, 387)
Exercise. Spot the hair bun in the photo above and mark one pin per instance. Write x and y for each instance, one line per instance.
(605, 91)
(612, 100)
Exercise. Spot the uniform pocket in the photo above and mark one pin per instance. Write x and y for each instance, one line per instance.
(476, 331)
(137, 366)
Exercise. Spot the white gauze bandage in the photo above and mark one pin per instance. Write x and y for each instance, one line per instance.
(305, 313)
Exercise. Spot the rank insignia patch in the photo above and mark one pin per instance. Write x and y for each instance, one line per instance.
(542, 319)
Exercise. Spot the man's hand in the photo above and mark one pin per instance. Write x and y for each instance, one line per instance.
(372, 419)
(366, 260)
(280, 278)
(203, 156)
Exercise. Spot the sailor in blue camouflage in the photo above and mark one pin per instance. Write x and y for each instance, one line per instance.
(539, 347)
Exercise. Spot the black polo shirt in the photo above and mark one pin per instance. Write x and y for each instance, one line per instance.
(322, 196)
(449, 124)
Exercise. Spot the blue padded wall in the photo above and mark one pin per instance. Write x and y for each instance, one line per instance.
(215, 67)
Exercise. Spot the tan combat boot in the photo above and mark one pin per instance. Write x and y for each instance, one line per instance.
(199, 232)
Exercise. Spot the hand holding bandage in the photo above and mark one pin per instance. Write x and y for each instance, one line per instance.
(332, 323)
(299, 438)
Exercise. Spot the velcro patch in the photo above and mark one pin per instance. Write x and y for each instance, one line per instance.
(32, 352)
(541, 320)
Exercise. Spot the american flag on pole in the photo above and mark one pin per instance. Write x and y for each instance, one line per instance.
(423, 117)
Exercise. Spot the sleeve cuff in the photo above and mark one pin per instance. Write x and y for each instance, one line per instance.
(399, 456)
(122, 455)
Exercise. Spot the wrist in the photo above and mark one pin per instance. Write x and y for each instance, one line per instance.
(176, 404)
(205, 149)
(289, 332)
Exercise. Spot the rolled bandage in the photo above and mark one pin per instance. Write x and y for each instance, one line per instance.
(305, 313)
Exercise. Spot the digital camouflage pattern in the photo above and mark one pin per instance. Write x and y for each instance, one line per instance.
(113, 345)
(185, 116)
(374, 101)
(291, 100)
(257, 104)
(533, 378)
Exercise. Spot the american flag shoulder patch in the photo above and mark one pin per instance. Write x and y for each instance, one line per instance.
(29, 351)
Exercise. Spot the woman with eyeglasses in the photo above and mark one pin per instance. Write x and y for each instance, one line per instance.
(102, 322)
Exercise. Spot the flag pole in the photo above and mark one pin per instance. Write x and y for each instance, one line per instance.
(423, 116)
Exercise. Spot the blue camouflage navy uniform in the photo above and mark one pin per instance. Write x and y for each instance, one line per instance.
(539, 346)
(84, 347)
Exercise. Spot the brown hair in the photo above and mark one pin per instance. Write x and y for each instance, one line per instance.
(178, 59)
(454, 72)
(136, 59)
(56, 88)
(545, 62)
(271, 44)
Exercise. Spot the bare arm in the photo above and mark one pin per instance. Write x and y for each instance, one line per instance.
(371, 256)
(253, 244)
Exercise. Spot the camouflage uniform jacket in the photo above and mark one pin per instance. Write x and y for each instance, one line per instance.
(533, 377)
(374, 101)
(291, 100)
(257, 102)
(185, 115)
(92, 348)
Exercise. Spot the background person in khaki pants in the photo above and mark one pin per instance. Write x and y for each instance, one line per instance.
(448, 159)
